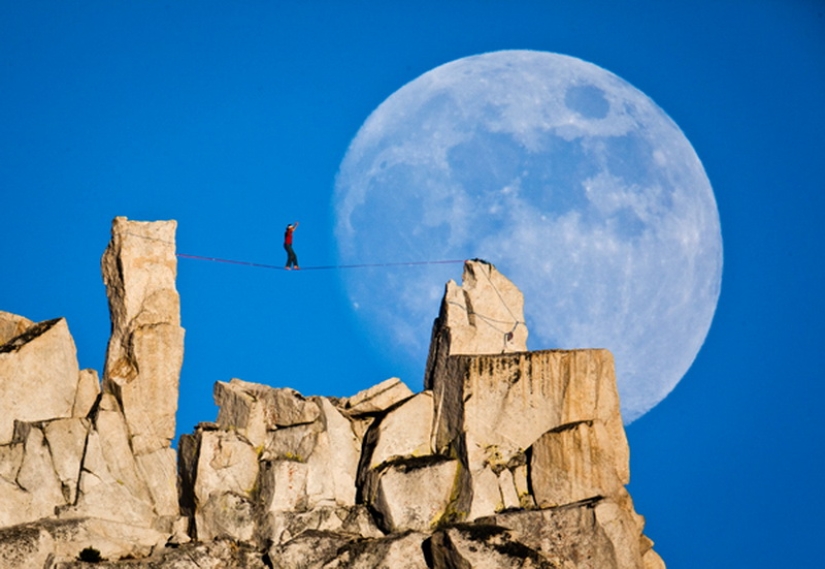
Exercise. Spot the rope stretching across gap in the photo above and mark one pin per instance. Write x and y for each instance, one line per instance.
(278, 268)
(319, 268)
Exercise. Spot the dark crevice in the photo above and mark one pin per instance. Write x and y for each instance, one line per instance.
(570, 426)
(33, 332)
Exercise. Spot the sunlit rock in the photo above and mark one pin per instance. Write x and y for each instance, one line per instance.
(66, 440)
(159, 470)
(296, 443)
(284, 486)
(111, 487)
(652, 560)
(145, 352)
(225, 482)
(509, 459)
(41, 361)
(377, 398)
(624, 529)
(36, 478)
(311, 464)
(491, 409)
(326, 549)
(285, 407)
(88, 390)
(12, 325)
(403, 432)
(241, 409)
(252, 408)
(415, 494)
(574, 462)
(39, 470)
(485, 315)
(59, 545)
(333, 465)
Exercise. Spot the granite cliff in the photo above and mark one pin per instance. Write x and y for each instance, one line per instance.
(507, 458)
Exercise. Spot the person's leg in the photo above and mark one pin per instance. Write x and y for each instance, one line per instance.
(289, 255)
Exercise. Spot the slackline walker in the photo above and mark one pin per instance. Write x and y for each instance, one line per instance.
(291, 258)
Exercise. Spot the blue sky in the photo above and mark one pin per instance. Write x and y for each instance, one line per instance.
(233, 117)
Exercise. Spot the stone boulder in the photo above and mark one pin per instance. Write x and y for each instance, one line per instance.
(88, 390)
(111, 485)
(38, 375)
(377, 398)
(363, 407)
(89, 464)
(403, 432)
(351, 522)
(399, 477)
(309, 466)
(415, 494)
(253, 410)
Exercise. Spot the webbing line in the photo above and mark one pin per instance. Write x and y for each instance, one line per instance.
(279, 268)
(319, 268)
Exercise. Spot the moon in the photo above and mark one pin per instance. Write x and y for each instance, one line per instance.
(572, 182)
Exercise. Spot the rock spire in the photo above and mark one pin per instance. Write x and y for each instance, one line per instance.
(485, 315)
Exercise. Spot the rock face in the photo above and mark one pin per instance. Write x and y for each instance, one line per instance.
(508, 458)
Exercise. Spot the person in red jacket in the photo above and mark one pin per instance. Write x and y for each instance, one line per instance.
(291, 258)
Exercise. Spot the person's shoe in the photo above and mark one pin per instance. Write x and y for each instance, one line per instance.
(287, 268)
(297, 268)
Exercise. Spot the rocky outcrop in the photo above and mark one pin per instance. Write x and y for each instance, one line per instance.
(508, 458)
(82, 466)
